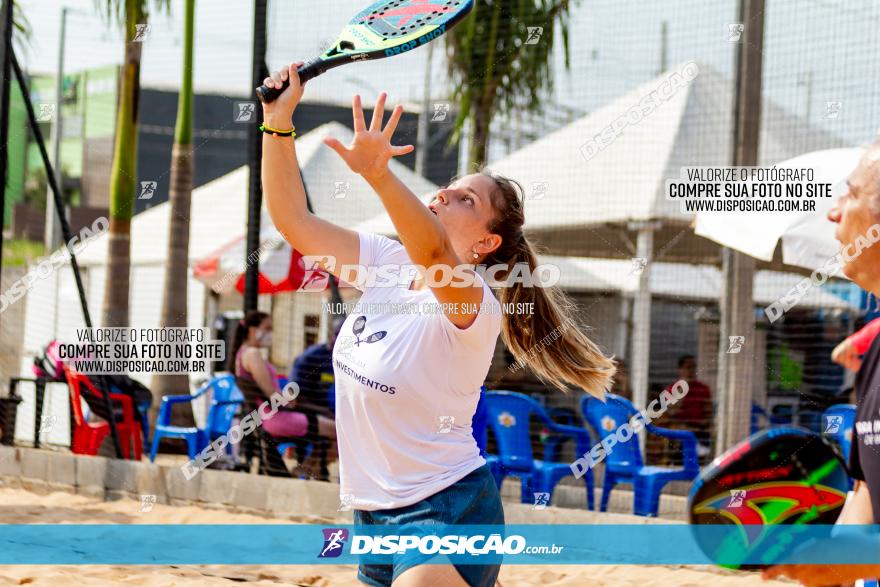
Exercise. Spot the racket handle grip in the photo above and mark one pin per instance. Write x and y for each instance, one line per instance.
(306, 72)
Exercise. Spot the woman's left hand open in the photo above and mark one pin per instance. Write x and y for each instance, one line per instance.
(369, 152)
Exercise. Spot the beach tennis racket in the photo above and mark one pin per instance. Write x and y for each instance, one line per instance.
(384, 29)
(779, 476)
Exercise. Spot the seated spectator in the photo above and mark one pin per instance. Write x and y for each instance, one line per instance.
(257, 379)
(694, 411)
(848, 354)
(313, 372)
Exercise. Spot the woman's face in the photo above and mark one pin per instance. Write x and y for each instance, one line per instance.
(464, 208)
(263, 333)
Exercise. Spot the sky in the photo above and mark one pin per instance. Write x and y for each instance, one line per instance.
(222, 62)
(816, 51)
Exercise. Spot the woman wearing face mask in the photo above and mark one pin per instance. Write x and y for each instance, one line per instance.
(255, 374)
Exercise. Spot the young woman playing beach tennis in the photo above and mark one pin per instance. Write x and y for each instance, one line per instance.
(407, 384)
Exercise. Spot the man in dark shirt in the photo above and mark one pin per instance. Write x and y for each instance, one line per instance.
(857, 215)
(313, 372)
(694, 412)
(865, 455)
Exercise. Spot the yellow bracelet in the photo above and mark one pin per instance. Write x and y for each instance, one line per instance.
(277, 132)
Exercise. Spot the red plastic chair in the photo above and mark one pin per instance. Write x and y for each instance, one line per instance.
(88, 436)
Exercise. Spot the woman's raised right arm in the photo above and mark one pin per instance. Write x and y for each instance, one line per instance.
(283, 186)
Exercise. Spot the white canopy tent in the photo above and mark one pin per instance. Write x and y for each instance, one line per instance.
(681, 281)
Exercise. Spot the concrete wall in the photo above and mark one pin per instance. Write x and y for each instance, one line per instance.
(103, 478)
(107, 479)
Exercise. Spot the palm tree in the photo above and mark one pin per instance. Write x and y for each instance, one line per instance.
(123, 175)
(20, 24)
(502, 63)
(177, 265)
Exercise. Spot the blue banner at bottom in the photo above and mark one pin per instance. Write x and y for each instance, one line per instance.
(529, 544)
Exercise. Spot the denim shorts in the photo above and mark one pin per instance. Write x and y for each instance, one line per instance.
(473, 500)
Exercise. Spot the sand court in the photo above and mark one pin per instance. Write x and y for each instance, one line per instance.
(19, 506)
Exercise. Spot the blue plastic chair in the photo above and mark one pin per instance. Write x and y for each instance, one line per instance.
(623, 464)
(508, 414)
(553, 443)
(840, 432)
(224, 404)
(479, 425)
(758, 414)
(811, 420)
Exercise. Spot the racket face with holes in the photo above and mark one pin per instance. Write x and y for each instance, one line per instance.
(394, 27)
(384, 29)
(778, 476)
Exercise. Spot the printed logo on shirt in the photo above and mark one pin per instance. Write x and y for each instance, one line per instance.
(358, 328)
(334, 541)
(346, 346)
(869, 432)
(364, 380)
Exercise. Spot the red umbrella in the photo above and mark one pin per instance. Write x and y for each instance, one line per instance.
(281, 269)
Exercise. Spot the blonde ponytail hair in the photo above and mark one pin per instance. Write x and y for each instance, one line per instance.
(548, 341)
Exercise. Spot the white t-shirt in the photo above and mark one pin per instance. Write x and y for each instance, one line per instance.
(405, 398)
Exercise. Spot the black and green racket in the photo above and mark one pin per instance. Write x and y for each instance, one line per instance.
(780, 476)
(385, 29)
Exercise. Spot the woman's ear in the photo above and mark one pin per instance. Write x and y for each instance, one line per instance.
(489, 244)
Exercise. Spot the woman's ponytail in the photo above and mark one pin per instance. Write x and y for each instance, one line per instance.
(548, 341)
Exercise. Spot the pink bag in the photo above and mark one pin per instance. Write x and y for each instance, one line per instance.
(48, 364)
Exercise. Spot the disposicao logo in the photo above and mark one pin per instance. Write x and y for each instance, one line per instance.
(334, 542)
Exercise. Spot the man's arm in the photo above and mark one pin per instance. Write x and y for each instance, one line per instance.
(846, 356)
(857, 509)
